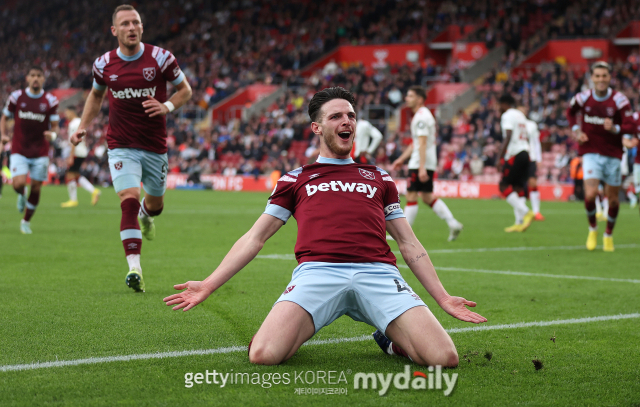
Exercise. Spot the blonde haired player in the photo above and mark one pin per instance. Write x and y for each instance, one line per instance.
(423, 161)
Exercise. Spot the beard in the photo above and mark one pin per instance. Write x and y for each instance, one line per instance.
(331, 140)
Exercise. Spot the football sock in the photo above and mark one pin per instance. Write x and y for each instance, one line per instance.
(411, 211)
(145, 212)
(605, 205)
(518, 205)
(396, 350)
(72, 187)
(442, 210)
(134, 261)
(518, 215)
(32, 203)
(590, 206)
(611, 219)
(129, 228)
(86, 185)
(534, 197)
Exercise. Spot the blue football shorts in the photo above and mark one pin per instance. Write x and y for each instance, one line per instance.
(36, 167)
(130, 166)
(374, 293)
(602, 167)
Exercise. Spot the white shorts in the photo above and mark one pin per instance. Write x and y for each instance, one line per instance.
(373, 293)
(601, 167)
(35, 167)
(636, 177)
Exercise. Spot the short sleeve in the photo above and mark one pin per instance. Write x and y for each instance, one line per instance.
(10, 107)
(53, 108)
(281, 203)
(171, 71)
(506, 123)
(392, 209)
(98, 72)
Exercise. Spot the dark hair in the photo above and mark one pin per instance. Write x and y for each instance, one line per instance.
(122, 7)
(72, 108)
(507, 99)
(35, 68)
(600, 64)
(419, 90)
(319, 99)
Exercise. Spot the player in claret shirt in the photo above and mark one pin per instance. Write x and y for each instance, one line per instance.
(606, 117)
(135, 77)
(35, 113)
(343, 210)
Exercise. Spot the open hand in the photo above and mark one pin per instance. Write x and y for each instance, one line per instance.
(194, 294)
(455, 306)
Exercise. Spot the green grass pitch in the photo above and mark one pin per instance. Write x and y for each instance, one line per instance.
(64, 299)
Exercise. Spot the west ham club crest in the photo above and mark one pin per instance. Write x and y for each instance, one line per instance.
(149, 73)
(367, 174)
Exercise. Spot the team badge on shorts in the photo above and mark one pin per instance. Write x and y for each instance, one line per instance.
(367, 174)
(149, 73)
(289, 289)
(118, 165)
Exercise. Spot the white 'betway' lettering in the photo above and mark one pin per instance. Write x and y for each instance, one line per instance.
(593, 119)
(339, 186)
(129, 93)
(31, 116)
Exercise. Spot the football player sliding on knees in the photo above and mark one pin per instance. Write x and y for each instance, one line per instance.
(342, 270)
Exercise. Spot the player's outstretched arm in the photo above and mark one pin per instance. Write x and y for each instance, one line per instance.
(242, 252)
(418, 261)
(91, 109)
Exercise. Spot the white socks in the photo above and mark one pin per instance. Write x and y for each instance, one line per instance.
(72, 187)
(134, 262)
(519, 205)
(442, 210)
(84, 183)
(534, 197)
(516, 213)
(411, 212)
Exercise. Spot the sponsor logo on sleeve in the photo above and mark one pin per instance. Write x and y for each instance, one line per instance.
(176, 71)
(391, 208)
(387, 178)
(149, 73)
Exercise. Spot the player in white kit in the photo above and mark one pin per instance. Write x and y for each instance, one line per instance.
(76, 157)
(514, 162)
(423, 162)
(535, 156)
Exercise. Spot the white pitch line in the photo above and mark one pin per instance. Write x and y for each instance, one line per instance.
(472, 250)
(522, 273)
(362, 338)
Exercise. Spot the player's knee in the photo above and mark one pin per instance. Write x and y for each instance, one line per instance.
(450, 358)
(260, 354)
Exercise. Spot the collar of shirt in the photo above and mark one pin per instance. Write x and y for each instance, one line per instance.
(339, 161)
(132, 57)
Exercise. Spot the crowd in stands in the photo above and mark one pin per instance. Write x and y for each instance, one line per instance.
(223, 47)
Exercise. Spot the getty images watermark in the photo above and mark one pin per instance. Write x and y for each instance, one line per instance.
(434, 379)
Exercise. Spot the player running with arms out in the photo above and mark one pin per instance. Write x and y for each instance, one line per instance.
(35, 125)
(77, 155)
(514, 162)
(345, 264)
(606, 116)
(535, 156)
(423, 162)
(136, 75)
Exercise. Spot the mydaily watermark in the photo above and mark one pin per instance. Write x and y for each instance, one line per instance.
(434, 379)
